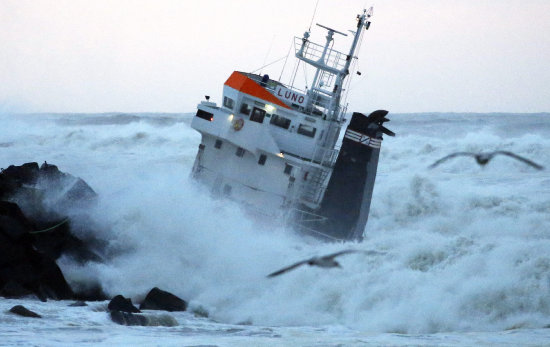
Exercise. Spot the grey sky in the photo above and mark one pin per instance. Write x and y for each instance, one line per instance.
(418, 56)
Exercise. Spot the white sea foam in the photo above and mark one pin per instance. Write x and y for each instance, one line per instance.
(467, 248)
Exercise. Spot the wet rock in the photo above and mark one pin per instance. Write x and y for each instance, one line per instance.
(24, 174)
(78, 304)
(120, 303)
(158, 299)
(23, 269)
(35, 230)
(89, 292)
(43, 193)
(24, 312)
(13, 223)
(14, 177)
(127, 318)
(13, 289)
(51, 172)
(56, 238)
(80, 190)
(131, 319)
(200, 312)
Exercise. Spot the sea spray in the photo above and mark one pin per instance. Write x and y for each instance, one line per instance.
(467, 248)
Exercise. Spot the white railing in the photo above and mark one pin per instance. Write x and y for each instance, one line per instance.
(313, 51)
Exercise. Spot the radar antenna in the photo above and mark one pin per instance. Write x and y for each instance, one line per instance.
(330, 29)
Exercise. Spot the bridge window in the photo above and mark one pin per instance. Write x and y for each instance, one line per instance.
(228, 102)
(262, 160)
(205, 115)
(307, 130)
(257, 115)
(245, 109)
(280, 121)
(218, 144)
(240, 152)
(288, 169)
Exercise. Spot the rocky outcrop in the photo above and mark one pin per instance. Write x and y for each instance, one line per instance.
(23, 269)
(158, 299)
(78, 304)
(35, 231)
(120, 303)
(125, 318)
(37, 226)
(123, 312)
(24, 312)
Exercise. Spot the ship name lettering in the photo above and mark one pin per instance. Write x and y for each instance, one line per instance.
(290, 96)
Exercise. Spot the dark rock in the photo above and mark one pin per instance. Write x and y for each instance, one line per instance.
(11, 253)
(13, 289)
(52, 281)
(200, 312)
(51, 172)
(89, 292)
(35, 230)
(12, 221)
(79, 191)
(14, 177)
(158, 299)
(23, 311)
(120, 303)
(24, 174)
(78, 304)
(56, 239)
(22, 268)
(126, 318)
(7, 186)
(43, 193)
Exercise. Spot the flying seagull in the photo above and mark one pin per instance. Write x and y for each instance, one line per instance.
(483, 158)
(326, 261)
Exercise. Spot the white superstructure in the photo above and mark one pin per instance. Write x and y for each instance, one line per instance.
(270, 146)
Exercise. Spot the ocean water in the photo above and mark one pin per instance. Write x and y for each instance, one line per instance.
(466, 248)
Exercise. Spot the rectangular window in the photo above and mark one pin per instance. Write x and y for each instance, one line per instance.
(288, 169)
(218, 144)
(245, 109)
(262, 160)
(240, 152)
(205, 115)
(280, 121)
(257, 115)
(307, 130)
(228, 102)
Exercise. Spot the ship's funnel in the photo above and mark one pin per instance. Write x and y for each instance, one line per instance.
(346, 203)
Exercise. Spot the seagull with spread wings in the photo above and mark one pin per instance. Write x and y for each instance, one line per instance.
(326, 261)
(483, 158)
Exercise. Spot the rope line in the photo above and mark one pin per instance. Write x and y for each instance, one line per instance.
(273, 62)
(50, 228)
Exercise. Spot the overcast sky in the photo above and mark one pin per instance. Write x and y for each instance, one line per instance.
(131, 56)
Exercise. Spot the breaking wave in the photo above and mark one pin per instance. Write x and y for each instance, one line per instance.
(466, 248)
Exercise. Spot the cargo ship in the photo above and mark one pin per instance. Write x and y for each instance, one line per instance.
(278, 150)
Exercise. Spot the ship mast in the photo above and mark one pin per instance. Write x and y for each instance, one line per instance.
(332, 67)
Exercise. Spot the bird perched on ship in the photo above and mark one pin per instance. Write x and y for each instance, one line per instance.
(483, 158)
(326, 261)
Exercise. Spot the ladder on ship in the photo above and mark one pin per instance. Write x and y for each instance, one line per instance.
(315, 187)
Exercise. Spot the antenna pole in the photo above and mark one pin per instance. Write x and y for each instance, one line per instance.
(313, 17)
(362, 21)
